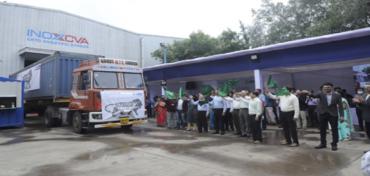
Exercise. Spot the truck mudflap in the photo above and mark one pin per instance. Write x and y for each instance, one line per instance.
(122, 122)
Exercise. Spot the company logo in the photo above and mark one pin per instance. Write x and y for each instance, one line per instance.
(56, 38)
(120, 108)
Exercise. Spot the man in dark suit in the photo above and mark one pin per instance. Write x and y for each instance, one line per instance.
(364, 102)
(329, 105)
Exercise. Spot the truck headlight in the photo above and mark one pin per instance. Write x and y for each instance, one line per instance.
(97, 116)
(126, 112)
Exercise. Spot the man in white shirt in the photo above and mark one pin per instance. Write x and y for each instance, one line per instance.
(180, 114)
(202, 113)
(228, 119)
(243, 114)
(262, 97)
(219, 108)
(235, 108)
(255, 115)
(289, 107)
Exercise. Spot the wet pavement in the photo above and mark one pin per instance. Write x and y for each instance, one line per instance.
(149, 150)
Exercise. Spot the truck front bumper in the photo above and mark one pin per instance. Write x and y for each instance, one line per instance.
(96, 123)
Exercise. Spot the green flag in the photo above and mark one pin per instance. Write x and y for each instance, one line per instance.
(282, 91)
(222, 93)
(207, 90)
(227, 87)
(271, 83)
(169, 94)
(181, 92)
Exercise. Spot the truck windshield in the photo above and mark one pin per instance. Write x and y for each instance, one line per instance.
(105, 80)
(133, 81)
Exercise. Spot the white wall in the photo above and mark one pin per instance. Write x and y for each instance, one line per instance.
(312, 80)
(304, 81)
(12, 89)
(103, 39)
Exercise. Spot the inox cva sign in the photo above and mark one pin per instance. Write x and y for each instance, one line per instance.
(56, 38)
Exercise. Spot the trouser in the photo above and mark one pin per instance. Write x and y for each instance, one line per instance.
(333, 120)
(228, 121)
(185, 118)
(171, 119)
(180, 121)
(263, 119)
(367, 129)
(289, 127)
(194, 115)
(219, 120)
(255, 126)
(236, 120)
(302, 119)
(271, 118)
(243, 121)
(275, 110)
(149, 111)
(212, 119)
(189, 116)
(312, 116)
(202, 121)
(359, 117)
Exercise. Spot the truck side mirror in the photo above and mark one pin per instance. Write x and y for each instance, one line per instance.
(85, 77)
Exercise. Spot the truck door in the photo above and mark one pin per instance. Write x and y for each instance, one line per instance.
(84, 84)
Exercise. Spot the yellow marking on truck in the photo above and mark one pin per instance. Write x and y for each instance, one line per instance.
(112, 125)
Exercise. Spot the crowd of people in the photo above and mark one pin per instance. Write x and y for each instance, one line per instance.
(246, 113)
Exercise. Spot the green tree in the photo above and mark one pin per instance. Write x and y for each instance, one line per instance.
(198, 44)
(230, 41)
(244, 34)
(297, 19)
(341, 15)
(275, 23)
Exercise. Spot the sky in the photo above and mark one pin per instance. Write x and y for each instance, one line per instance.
(177, 18)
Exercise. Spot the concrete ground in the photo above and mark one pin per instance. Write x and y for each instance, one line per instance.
(149, 150)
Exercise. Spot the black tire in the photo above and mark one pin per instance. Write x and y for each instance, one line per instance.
(70, 117)
(77, 124)
(48, 117)
(58, 122)
(126, 127)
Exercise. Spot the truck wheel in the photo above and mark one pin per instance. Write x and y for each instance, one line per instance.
(77, 123)
(48, 117)
(58, 122)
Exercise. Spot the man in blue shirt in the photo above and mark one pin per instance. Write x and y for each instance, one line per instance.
(219, 107)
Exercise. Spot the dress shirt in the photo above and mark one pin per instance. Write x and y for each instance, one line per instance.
(287, 103)
(255, 107)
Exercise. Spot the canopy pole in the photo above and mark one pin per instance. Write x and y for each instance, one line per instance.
(258, 81)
